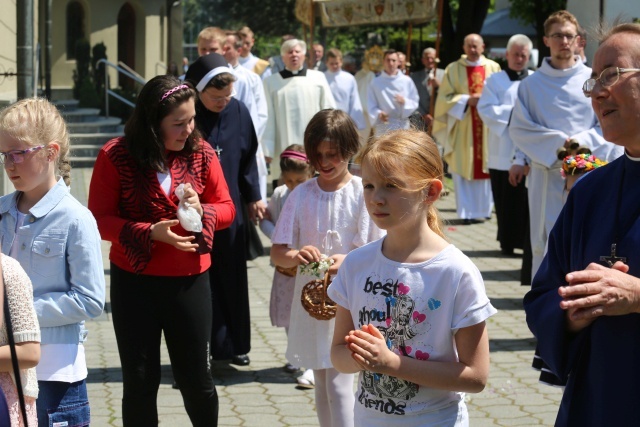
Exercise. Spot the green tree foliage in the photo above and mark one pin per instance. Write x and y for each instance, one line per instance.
(267, 18)
(460, 18)
(536, 12)
(270, 19)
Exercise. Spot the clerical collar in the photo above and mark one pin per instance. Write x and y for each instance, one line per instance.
(633, 159)
(474, 63)
(391, 76)
(288, 73)
(242, 60)
(516, 75)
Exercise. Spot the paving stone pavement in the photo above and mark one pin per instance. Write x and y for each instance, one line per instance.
(262, 394)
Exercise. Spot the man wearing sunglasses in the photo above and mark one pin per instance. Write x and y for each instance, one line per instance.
(550, 111)
(585, 299)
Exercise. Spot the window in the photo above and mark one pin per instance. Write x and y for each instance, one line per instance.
(75, 27)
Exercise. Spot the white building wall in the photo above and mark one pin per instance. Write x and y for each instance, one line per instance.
(588, 14)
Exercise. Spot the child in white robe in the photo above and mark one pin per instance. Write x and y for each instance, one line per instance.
(323, 216)
(295, 170)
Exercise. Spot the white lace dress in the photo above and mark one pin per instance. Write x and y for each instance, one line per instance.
(336, 223)
(25, 329)
(282, 285)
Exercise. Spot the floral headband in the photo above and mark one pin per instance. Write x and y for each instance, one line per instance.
(172, 91)
(294, 155)
(579, 164)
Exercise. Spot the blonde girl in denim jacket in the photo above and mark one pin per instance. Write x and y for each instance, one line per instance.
(56, 241)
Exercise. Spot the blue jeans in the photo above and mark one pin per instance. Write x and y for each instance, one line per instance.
(60, 402)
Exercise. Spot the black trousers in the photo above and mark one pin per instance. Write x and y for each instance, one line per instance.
(512, 210)
(145, 306)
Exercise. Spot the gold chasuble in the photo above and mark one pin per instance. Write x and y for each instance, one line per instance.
(464, 140)
(260, 66)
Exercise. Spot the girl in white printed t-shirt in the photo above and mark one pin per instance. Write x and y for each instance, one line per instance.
(411, 307)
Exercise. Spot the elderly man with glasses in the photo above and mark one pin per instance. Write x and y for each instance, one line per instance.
(550, 112)
(585, 301)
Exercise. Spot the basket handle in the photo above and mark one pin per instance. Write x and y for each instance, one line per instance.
(325, 282)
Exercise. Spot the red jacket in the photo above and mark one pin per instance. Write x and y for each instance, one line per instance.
(126, 201)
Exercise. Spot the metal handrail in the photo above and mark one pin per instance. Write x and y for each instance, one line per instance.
(129, 69)
(161, 65)
(133, 75)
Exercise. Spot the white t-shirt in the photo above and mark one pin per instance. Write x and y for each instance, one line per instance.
(63, 362)
(165, 182)
(419, 308)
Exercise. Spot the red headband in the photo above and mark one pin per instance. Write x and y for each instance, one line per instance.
(294, 155)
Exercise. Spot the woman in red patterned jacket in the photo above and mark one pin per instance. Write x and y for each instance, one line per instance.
(159, 278)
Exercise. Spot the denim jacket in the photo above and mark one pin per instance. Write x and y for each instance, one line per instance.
(59, 248)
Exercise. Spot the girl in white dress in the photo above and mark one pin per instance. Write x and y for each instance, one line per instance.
(411, 307)
(295, 170)
(323, 216)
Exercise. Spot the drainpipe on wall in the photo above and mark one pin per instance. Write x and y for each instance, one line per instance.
(24, 48)
(47, 49)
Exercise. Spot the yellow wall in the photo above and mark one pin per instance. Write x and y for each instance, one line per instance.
(7, 49)
(154, 45)
(8, 42)
(101, 23)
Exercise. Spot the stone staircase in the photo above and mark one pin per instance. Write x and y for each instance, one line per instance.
(88, 131)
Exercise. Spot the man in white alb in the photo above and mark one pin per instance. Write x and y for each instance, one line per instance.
(391, 97)
(550, 111)
(247, 59)
(344, 88)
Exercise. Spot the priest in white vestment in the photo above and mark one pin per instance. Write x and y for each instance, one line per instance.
(459, 128)
(344, 88)
(508, 167)
(550, 111)
(391, 97)
(294, 96)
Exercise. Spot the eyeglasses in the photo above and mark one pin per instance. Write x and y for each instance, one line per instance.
(17, 156)
(221, 98)
(560, 37)
(608, 77)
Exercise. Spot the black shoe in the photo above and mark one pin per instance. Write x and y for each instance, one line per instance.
(240, 360)
(468, 221)
(507, 251)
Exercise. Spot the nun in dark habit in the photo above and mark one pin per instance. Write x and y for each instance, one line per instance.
(226, 124)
